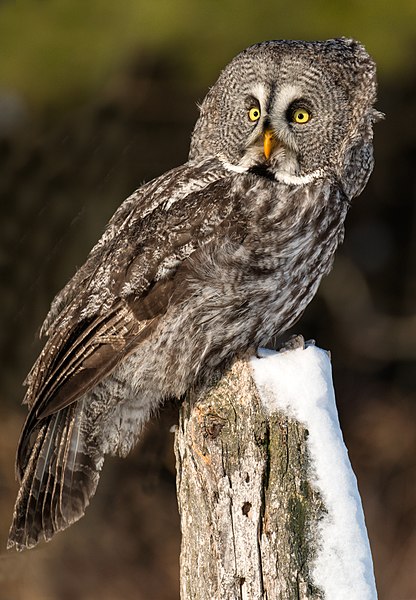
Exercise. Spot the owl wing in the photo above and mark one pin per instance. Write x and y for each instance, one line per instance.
(116, 299)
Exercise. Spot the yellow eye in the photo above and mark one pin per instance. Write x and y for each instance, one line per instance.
(300, 115)
(254, 114)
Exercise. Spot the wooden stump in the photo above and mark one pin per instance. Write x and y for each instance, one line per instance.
(247, 507)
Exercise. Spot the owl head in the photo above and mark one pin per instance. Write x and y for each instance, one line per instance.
(295, 111)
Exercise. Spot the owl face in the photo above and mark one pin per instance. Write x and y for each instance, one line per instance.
(293, 108)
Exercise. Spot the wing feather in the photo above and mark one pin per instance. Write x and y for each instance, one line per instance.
(135, 272)
(126, 285)
(60, 477)
(156, 198)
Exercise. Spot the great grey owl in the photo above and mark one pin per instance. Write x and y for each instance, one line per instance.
(207, 261)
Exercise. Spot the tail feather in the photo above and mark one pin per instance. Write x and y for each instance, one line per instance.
(59, 478)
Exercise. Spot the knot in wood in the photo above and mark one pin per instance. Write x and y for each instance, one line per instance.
(213, 425)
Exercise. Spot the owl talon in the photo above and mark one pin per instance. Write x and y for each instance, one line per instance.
(293, 343)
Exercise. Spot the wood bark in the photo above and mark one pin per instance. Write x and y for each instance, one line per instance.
(247, 508)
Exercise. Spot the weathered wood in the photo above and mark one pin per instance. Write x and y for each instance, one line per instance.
(247, 509)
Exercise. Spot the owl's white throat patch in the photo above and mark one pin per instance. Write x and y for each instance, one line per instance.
(280, 176)
(290, 179)
(234, 168)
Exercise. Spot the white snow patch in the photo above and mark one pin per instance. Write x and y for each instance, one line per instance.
(299, 382)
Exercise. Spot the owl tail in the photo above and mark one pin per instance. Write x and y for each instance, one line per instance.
(59, 478)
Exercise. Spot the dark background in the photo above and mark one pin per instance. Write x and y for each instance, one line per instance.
(96, 98)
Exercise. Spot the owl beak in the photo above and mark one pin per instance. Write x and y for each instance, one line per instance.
(269, 142)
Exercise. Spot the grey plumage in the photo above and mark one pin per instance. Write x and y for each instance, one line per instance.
(207, 261)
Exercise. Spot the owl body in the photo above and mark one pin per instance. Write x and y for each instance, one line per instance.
(237, 292)
(203, 263)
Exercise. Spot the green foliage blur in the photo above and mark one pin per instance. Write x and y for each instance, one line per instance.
(55, 52)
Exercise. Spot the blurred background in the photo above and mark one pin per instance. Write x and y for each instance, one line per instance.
(95, 98)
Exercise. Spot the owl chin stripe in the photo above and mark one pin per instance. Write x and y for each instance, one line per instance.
(280, 177)
(298, 179)
(262, 171)
(234, 168)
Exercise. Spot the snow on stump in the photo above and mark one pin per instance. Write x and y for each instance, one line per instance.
(269, 504)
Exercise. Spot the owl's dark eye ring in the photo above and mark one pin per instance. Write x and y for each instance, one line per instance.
(299, 112)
